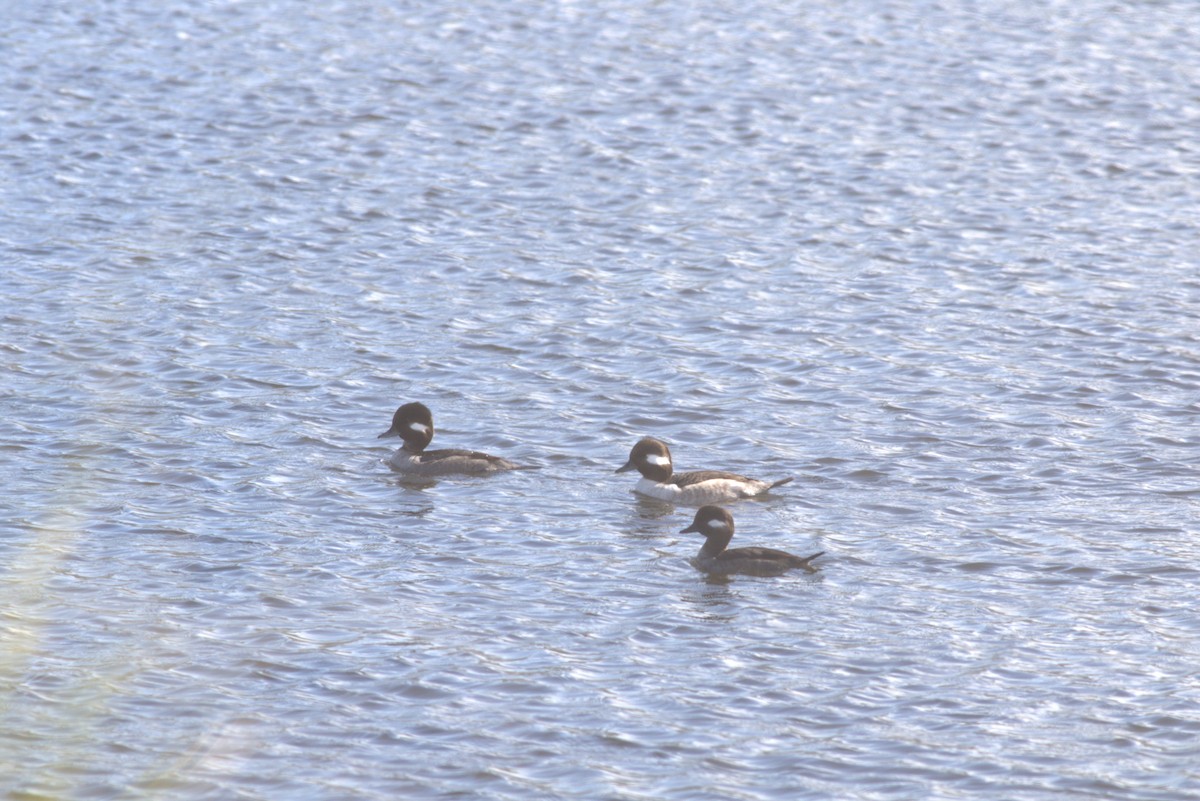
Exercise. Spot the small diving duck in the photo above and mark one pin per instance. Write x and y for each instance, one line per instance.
(652, 458)
(716, 524)
(413, 423)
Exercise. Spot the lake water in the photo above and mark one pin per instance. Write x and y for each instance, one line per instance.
(937, 260)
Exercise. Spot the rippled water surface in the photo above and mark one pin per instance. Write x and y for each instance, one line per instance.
(937, 260)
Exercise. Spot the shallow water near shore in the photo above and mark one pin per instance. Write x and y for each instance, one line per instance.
(937, 261)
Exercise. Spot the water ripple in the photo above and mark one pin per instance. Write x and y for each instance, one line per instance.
(936, 265)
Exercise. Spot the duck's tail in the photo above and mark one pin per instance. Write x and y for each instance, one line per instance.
(806, 561)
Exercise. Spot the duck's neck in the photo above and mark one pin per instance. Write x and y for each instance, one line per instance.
(715, 545)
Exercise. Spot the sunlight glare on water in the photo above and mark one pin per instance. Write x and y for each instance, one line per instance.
(936, 261)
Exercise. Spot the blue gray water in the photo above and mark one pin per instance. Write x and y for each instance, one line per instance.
(937, 260)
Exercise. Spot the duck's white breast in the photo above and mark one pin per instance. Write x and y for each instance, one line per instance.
(712, 491)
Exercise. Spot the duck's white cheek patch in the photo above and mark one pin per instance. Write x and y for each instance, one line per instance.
(718, 525)
(420, 428)
(655, 459)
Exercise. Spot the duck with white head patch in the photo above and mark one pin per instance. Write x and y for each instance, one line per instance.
(652, 458)
(716, 524)
(413, 423)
